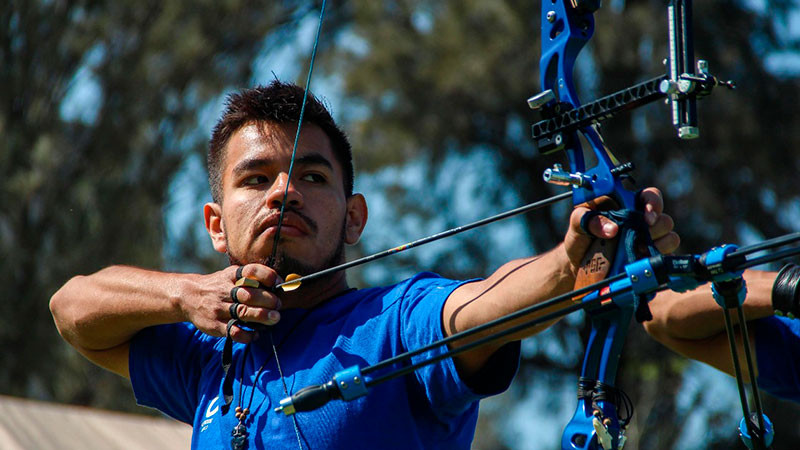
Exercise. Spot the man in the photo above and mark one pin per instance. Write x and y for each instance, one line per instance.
(163, 330)
(692, 324)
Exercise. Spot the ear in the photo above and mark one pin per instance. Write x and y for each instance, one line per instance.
(356, 218)
(214, 226)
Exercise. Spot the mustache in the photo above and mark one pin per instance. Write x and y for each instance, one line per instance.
(309, 222)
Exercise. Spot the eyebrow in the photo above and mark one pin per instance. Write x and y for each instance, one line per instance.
(313, 159)
(310, 159)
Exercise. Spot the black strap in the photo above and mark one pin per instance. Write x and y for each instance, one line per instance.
(234, 310)
(234, 291)
(227, 374)
(591, 214)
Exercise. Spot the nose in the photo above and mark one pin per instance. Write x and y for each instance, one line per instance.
(279, 190)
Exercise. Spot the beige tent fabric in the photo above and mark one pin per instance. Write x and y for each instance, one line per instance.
(33, 425)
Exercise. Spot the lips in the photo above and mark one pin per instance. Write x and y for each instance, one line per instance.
(293, 225)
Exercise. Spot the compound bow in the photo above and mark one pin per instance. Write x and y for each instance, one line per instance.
(603, 411)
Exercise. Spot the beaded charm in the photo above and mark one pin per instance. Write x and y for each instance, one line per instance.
(239, 433)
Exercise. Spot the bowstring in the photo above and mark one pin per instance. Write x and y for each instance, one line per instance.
(275, 241)
(297, 137)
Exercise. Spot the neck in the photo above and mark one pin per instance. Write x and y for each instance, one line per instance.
(315, 292)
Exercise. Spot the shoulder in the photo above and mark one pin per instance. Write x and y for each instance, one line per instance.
(183, 338)
(780, 329)
(425, 284)
(778, 356)
(181, 331)
(385, 301)
(421, 285)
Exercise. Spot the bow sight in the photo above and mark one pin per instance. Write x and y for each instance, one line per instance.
(682, 85)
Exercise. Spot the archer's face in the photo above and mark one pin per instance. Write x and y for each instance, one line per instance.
(318, 218)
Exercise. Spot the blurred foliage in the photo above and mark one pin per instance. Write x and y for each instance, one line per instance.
(97, 110)
(443, 78)
(100, 103)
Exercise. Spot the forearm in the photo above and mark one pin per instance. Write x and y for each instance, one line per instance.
(696, 315)
(514, 286)
(692, 323)
(105, 309)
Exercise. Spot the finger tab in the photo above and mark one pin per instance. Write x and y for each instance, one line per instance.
(249, 282)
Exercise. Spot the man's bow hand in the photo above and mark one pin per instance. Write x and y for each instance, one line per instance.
(577, 241)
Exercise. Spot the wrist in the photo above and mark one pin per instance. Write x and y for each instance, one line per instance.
(179, 297)
(568, 270)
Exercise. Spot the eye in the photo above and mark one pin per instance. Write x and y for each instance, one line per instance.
(313, 177)
(255, 180)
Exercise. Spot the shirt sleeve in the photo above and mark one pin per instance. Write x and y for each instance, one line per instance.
(778, 356)
(166, 363)
(421, 323)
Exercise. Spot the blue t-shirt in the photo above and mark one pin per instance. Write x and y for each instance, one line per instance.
(778, 356)
(177, 369)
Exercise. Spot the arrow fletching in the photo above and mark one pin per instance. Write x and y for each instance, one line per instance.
(288, 285)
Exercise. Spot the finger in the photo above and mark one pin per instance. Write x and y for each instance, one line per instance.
(256, 297)
(667, 243)
(575, 219)
(265, 275)
(234, 295)
(662, 227)
(652, 204)
(239, 334)
(234, 311)
(598, 226)
(254, 314)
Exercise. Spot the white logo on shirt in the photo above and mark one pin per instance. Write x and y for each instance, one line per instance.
(212, 407)
(210, 411)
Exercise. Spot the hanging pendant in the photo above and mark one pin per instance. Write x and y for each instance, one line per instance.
(239, 437)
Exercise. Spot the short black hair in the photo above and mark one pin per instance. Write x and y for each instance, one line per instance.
(277, 103)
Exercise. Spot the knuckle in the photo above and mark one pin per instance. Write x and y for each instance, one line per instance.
(652, 190)
(250, 271)
(261, 315)
(239, 335)
(216, 329)
(264, 274)
(244, 295)
(221, 312)
(668, 220)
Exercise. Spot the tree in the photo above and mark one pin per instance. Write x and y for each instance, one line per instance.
(99, 106)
